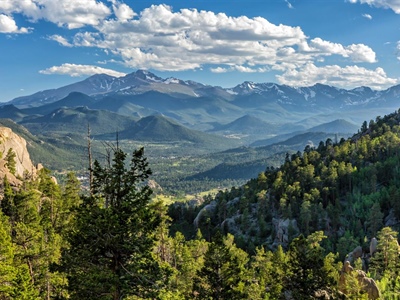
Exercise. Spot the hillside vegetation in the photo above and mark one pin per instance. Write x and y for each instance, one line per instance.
(324, 224)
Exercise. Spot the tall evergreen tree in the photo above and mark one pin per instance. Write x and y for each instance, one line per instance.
(7, 270)
(111, 248)
(10, 161)
(308, 273)
(223, 273)
(386, 259)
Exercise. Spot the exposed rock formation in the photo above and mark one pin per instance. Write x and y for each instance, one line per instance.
(23, 164)
(354, 255)
(283, 228)
(373, 246)
(368, 285)
(391, 219)
(204, 211)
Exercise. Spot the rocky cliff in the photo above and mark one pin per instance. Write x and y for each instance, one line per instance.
(22, 164)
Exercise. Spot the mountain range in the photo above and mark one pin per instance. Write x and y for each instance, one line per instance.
(144, 107)
(249, 111)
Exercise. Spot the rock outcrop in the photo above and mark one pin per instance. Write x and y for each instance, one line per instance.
(285, 229)
(391, 219)
(354, 255)
(23, 164)
(373, 246)
(368, 285)
(206, 210)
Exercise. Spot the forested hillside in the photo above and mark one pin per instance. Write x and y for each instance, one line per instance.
(324, 224)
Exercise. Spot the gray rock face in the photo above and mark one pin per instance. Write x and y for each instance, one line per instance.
(209, 208)
(373, 246)
(282, 227)
(391, 219)
(354, 255)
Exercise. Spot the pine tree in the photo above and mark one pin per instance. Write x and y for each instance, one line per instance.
(386, 259)
(10, 161)
(111, 248)
(7, 269)
(223, 273)
(308, 271)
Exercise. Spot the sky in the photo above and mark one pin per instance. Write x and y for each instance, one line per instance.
(47, 44)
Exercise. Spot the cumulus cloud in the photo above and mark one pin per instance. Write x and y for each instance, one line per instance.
(69, 13)
(122, 11)
(8, 25)
(161, 39)
(357, 52)
(345, 77)
(59, 39)
(367, 16)
(74, 70)
(391, 4)
(29, 8)
(73, 13)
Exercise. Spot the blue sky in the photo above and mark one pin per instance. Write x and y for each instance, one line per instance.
(345, 43)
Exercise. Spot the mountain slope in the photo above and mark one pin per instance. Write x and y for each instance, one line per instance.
(336, 126)
(247, 124)
(66, 155)
(135, 83)
(161, 129)
(74, 99)
(92, 85)
(11, 112)
(76, 121)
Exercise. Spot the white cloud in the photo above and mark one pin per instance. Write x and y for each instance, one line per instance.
(8, 25)
(59, 39)
(29, 8)
(357, 52)
(219, 70)
(161, 39)
(345, 77)
(238, 68)
(391, 4)
(73, 13)
(69, 13)
(361, 53)
(289, 5)
(398, 50)
(122, 11)
(367, 16)
(74, 70)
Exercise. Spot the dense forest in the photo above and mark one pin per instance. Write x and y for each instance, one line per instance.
(324, 225)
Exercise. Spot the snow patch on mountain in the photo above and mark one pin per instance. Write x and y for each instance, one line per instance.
(171, 80)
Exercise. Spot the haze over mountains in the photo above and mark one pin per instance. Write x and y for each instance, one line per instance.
(247, 112)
